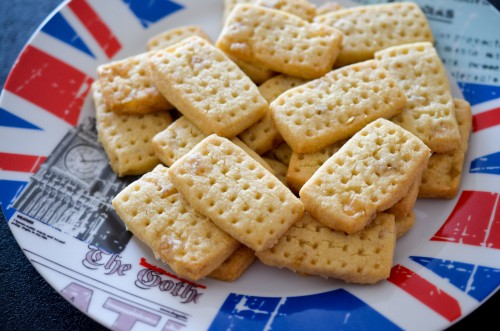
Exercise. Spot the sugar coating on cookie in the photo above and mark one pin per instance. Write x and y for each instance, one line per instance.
(155, 212)
(336, 106)
(126, 138)
(207, 87)
(310, 247)
(280, 41)
(370, 173)
(368, 29)
(127, 87)
(429, 115)
(238, 194)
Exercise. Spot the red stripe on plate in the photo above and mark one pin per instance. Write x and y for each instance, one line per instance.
(493, 234)
(20, 162)
(150, 266)
(96, 26)
(49, 83)
(486, 119)
(426, 292)
(469, 221)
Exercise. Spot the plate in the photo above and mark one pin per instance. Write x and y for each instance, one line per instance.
(58, 207)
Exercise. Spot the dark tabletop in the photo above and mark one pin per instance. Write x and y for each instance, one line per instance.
(28, 301)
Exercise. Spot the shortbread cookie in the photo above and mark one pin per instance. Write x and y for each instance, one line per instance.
(428, 114)
(230, 4)
(370, 173)
(127, 87)
(328, 7)
(238, 194)
(368, 29)
(310, 247)
(207, 87)
(182, 135)
(301, 8)
(303, 166)
(336, 106)
(176, 140)
(443, 175)
(126, 139)
(280, 41)
(155, 212)
(404, 223)
(263, 135)
(173, 36)
(281, 153)
(235, 265)
(279, 168)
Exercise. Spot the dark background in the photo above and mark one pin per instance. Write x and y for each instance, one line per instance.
(28, 301)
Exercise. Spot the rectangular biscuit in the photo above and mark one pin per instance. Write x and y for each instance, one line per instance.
(127, 138)
(303, 166)
(127, 87)
(155, 212)
(418, 70)
(443, 175)
(370, 173)
(229, 6)
(368, 29)
(173, 36)
(207, 87)
(235, 265)
(263, 135)
(301, 8)
(181, 136)
(310, 247)
(238, 194)
(280, 41)
(336, 106)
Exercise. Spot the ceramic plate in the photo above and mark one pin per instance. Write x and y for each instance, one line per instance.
(56, 188)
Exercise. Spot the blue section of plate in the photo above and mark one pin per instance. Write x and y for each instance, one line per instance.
(488, 164)
(478, 93)
(60, 29)
(475, 280)
(151, 11)
(13, 121)
(10, 190)
(334, 310)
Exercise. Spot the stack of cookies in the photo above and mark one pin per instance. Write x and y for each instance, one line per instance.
(302, 137)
